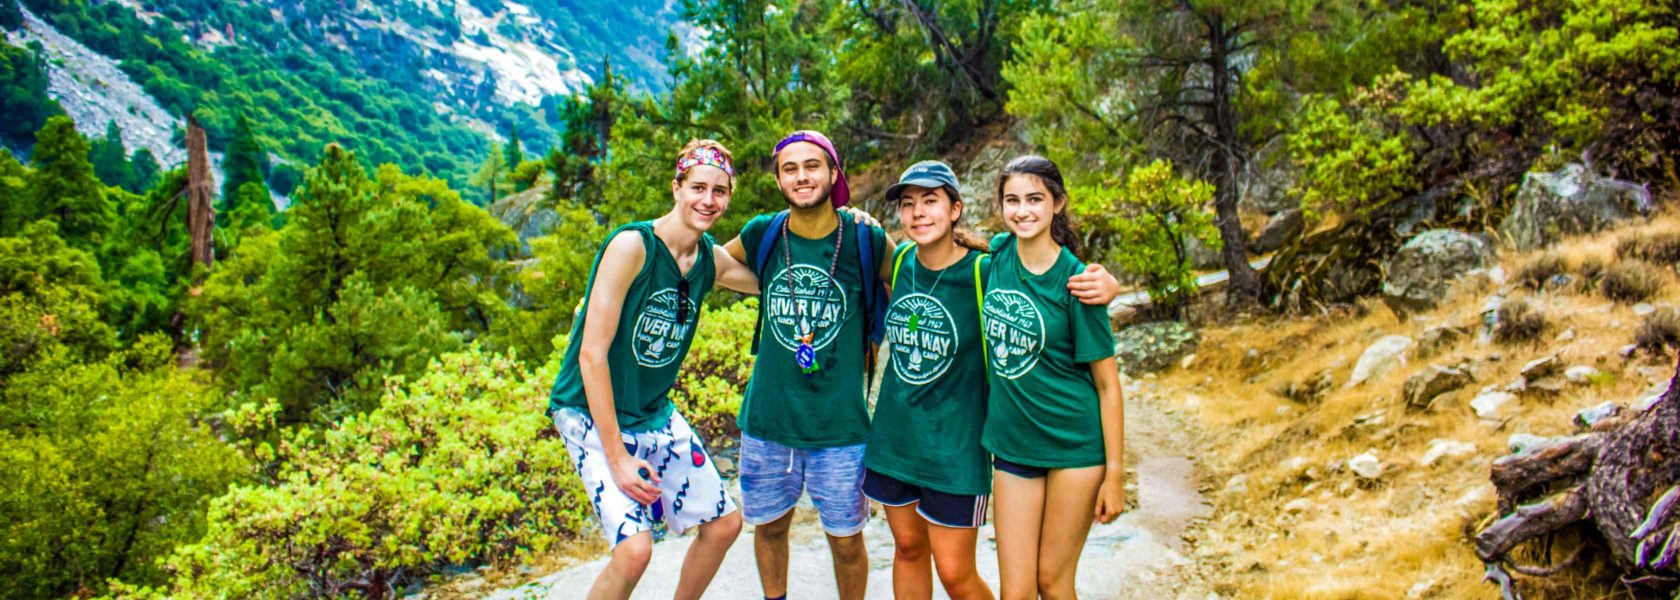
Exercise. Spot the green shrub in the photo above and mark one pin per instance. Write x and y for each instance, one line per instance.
(1630, 281)
(459, 467)
(1538, 274)
(1661, 248)
(715, 373)
(1519, 321)
(1143, 224)
(1592, 270)
(110, 465)
(1659, 332)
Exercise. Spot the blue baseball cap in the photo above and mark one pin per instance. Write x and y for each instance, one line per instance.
(928, 174)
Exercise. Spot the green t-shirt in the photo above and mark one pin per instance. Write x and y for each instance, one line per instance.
(932, 405)
(783, 404)
(1043, 409)
(647, 350)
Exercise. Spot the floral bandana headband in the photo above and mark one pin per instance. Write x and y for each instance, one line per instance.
(704, 155)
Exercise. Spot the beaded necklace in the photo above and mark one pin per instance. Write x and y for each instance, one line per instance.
(806, 356)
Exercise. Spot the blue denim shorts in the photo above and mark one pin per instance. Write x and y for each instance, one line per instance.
(773, 477)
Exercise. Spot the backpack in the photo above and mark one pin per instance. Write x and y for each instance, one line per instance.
(979, 289)
(875, 290)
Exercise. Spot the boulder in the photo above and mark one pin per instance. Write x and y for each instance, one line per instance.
(1200, 255)
(1278, 230)
(1568, 201)
(1492, 405)
(1366, 465)
(1439, 449)
(1544, 366)
(1422, 271)
(1379, 358)
(1438, 337)
(1422, 387)
(1153, 346)
(1592, 415)
(1310, 390)
(1580, 374)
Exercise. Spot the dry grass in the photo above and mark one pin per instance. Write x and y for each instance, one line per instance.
(1303, 525)
(1539, 273)
(1659, 332)
(1519, 322)
(1660, 247)
(1631, 281)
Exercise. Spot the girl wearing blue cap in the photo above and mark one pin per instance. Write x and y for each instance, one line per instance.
(1054, 421)
(925, 462)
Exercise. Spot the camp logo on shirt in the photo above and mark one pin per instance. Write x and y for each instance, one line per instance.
(922, 355)
(1014, 332)
(659, 337)
(816, 304)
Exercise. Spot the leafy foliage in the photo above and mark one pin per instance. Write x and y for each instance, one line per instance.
(459, 467)
(62, 187)
(1144, 226)
(715, 373)
(304, 315)
(23, 88)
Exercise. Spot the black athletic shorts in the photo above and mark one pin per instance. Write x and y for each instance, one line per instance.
(939, 508)
(1019, 470)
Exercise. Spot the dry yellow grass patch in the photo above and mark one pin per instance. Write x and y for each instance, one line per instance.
(1291, 518)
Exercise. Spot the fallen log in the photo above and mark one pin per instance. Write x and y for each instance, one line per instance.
(1623, 481)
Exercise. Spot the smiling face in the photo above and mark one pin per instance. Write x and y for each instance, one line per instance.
(702, 195)
(804, 175)
(928, 214)
(1028, 206)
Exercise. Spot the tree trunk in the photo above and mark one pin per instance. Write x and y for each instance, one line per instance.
(1229, 157)
(1628, 489)
(201, 207)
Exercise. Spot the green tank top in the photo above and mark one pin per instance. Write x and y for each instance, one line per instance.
(932, 405)
(782, 403)
(649, 345)
(1043, 409)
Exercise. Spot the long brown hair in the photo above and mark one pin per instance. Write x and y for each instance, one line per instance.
(1061, 228)
(961, 235)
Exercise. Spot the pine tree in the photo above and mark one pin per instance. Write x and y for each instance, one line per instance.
(13, 179)
(145, 169)
(10, 15)
(63, 187)
(110, 158)
(490, 173)
(513, 154)
(245, 162)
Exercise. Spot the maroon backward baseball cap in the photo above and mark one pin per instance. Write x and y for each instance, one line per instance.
(842, 193)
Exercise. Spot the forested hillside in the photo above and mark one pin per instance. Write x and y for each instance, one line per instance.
(348, 399)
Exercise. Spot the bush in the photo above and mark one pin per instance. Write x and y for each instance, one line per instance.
(1631, 281)
(109, 466)
(1539, 273)
(459, 467)
(1662, 248)
(1519, 321)
(1592, 270)
(715, 372)
(1659, 333)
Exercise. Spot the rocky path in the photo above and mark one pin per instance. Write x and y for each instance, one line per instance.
(1140, 555)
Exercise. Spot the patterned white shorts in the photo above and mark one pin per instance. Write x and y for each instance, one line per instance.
(691, 491)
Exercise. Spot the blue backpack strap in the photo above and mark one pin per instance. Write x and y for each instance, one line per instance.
(875, 290)
(761, 259)
(767, 243)
(874, 302)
